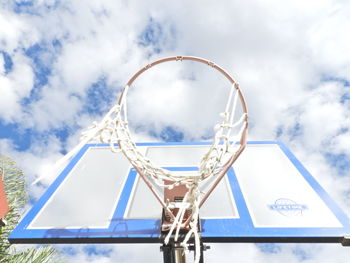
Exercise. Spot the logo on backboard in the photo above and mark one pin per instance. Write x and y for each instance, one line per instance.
(288, 207)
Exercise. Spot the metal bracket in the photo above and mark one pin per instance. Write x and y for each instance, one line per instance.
(346, 240)
(148, 66)
(211, 64)
(174, 252)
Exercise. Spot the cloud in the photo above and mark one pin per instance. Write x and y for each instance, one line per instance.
(15, 85)
(16, 31)
(330, 42)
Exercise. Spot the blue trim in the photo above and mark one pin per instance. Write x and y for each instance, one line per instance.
(148, 230)
(124, 197)
(238, 198)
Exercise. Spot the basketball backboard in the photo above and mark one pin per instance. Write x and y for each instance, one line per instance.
(267, 196)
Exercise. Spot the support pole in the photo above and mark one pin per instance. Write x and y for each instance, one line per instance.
(173, 253)
(180, 256)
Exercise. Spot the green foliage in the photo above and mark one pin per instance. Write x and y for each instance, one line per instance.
(17, 197)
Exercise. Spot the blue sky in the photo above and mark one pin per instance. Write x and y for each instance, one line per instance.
(62, 64)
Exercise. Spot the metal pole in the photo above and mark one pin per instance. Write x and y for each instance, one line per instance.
(180, 256)
(168, 256)
(173, 253)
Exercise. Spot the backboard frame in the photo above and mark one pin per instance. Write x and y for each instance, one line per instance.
(240, 229)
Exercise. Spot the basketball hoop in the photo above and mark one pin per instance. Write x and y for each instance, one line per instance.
(178, 214)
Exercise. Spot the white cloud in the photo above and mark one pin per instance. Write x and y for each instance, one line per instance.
(8, 98)
(15, 85)
(330, 41)
(323, 115)
(16, 32)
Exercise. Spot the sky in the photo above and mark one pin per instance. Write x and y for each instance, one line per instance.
(63, 63)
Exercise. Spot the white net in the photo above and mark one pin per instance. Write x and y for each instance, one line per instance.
(113, 129)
